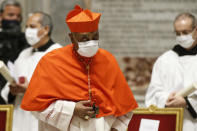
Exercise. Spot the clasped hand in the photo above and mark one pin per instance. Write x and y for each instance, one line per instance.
(175, 101)
(84, 110)
(16, 88)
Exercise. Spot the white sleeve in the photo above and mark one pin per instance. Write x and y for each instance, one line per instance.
(58, 114)
(156, 95)
(121, 123)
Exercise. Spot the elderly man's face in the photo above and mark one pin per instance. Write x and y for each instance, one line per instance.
(83, 37)
(183, 27)
(12, 13)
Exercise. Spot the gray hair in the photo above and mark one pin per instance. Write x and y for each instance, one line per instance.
(9, 2)
(187, 15)
(45, 20)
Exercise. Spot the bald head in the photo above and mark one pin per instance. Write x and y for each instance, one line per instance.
(186, 17)
(184, 24)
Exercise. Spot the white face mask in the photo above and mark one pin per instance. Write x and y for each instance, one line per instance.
(186, 41)
(88, 48)
(31, 35)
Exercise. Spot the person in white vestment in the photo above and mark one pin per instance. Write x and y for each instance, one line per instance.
(38, 31)
(177, 69)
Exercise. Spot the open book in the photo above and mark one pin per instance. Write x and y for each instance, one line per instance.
(5, 72)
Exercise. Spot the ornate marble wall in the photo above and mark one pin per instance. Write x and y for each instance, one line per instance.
(141, 28)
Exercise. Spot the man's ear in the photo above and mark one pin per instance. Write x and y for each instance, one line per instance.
(72, 38)
(71, 35)
(196, 28)
(47, 30)
(195, 34)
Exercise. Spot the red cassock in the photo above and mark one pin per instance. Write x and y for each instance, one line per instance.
(61, 76)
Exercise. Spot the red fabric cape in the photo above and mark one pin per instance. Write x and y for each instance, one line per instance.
(60, 76)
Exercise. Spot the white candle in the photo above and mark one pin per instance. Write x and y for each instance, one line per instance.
(186, 91)
(5, 72)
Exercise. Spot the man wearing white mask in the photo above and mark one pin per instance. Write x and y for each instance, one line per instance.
(38, 30)
(80, 87)
(175, 70)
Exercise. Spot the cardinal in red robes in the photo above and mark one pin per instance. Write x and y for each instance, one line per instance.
(80, 86)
